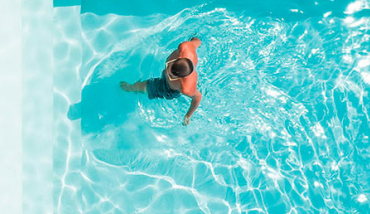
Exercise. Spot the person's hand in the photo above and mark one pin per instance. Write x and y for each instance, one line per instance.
(186, 121)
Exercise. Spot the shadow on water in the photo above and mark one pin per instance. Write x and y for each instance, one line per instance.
(111, 125)
(102, 103)
(111, 128)
(289, 10)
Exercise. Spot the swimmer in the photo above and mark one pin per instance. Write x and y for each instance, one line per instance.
(179, 77)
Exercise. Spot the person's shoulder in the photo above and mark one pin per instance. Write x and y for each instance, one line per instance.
(194, 43)
(185, 45)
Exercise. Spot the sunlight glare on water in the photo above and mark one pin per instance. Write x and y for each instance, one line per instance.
(283, 125)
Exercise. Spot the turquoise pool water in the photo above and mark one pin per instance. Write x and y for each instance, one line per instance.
(283, 126)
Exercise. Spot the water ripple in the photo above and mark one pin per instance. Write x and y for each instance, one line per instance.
(282, 128)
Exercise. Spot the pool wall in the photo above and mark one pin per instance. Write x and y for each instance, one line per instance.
(11, 107)
(37, 106)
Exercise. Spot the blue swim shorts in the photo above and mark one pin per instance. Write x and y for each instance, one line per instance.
(159, 88)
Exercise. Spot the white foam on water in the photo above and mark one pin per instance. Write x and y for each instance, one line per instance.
(319, 130)
(327, 14)
(362, 198)
(363, 63)
(355, 7)
(334, 166)
(273, 93)
(366, 77)
(318, 184)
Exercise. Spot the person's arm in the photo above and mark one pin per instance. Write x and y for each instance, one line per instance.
(196, 42)
(193, 43)
(195, 101)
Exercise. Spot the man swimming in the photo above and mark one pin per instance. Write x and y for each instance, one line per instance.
(180, 76)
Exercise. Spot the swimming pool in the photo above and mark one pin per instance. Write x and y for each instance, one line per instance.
(283, 126)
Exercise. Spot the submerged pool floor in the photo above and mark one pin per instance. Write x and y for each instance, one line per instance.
(283, 126)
